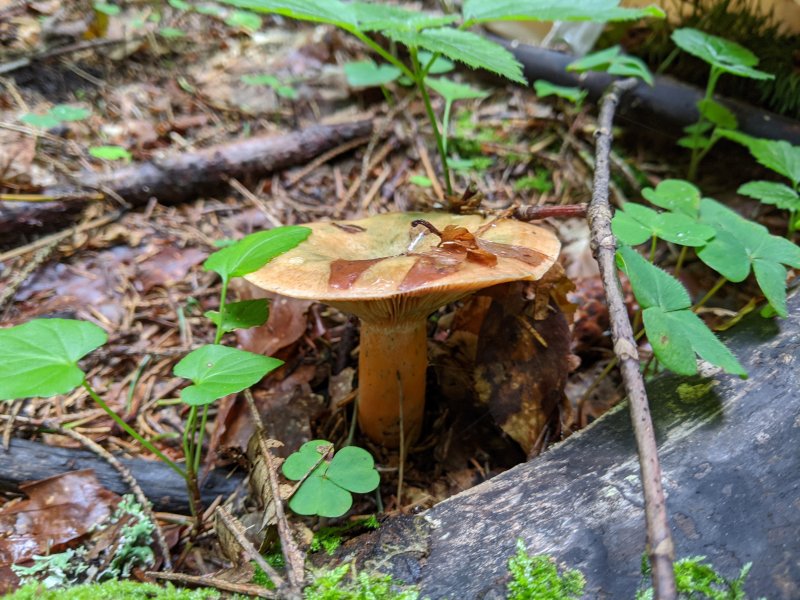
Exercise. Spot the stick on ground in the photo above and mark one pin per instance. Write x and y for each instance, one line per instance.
(659, 539)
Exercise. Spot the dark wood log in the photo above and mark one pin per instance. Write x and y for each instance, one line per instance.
(669, 105)
(27, 460)
(729, 451)
(186, 176)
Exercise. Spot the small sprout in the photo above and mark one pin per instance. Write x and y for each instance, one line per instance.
(544, 89)
(243, 19)
(241, 315)
(58, 114)
(327, 479)
(110, 153)
(420, 180)
(171, 33)
(615, 62)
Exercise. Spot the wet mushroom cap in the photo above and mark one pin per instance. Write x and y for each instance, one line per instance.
(383, 268)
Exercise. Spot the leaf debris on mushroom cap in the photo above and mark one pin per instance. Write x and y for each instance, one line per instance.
(383, 257)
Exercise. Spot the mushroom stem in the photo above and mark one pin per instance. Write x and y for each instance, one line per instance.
(392, 356)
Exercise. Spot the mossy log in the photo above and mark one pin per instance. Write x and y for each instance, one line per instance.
(730, 452)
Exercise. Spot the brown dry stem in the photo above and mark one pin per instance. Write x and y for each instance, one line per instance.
(660, 548)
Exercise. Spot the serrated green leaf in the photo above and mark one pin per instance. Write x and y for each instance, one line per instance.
(771, 278)
(677, 335)
(628, 230)
(217, 371)
(778, 155)
(463, 46)
(675, 195)
(40, 357)
(384, 17)
(320, 496)
(544, 88)
(298, 464)
(241, 315)
(110, 152)
(613, 61)
(717, 113)
(353, 469)
(365, 73)
(723, 54)
(698, 128)
(479, 11)
(651, 285)
(333, 12)
(452, 91)
(254, 251)
(769, 192)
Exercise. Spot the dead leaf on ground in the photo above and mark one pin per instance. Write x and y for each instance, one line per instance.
(59, 510)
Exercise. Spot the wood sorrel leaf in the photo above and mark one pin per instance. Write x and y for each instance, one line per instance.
(651, 285)
(254, 251)
(320, 496)
(672, 227)
(241, 315)
(365, 73)
(309, 456)
(675, 195)
(217, 371)
(39, 358)
(353, 469)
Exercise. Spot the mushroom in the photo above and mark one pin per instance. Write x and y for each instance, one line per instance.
(392, 271)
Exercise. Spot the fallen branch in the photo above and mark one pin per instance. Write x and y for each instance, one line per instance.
(186, 176)
(659, 539)
(249, 589)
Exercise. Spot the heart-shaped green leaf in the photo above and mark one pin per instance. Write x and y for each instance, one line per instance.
(353, 469)
(770, 192)
(675, 195)
(628, 230)
(217, 371)
(651, 285)
(254, 251)
(39, 358)
(718, 52)
(320, 496)
(241, 315)
(365, 73)
(672, 227)
(677, 335)
(298, 464)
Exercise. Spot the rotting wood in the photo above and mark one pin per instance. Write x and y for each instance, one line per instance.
(27, 460)
(182, 177)
(726, 447)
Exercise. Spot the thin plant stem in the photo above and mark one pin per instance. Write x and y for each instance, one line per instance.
(198, 449)
(697, 153)
(352, 433)
(715, 288)
(131, 431)
(388, 56)
(792, 225)
(653, 244)
(419, 78)
(222, 296)
(681, 258)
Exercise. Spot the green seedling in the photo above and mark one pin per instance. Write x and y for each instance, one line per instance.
(722, 56)
(537, 578)
(58, 114)
(110, 153)
(541, 182)
(171, 33)
(575, 95)
(343, 583)
(327, 479)
(421, 181)
(697, 579)
(240, 315)
(613, 61)
(281, 89)
(445, 36)
(451, 91)
(242, 19)
(784, 159)
(674, 331)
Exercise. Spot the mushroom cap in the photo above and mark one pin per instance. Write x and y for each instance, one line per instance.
(384, 269)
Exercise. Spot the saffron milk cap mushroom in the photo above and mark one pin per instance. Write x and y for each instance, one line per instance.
(392, 271)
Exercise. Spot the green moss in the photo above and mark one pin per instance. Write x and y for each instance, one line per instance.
(696, 579)
(340, 584)
(112, 590)
(537, 578)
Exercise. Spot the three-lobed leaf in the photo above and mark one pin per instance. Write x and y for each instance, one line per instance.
(675, 195)
(329, 480)
(651, 285)
(40, 357)
(241, 315)
(670, 226)
(216, 371)
(254, 251)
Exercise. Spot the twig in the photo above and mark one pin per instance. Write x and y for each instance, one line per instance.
(546, 211)
(659, 539)
(295, 561)
(249, 589)
(17, 279)
(237, 531)
(323, 158)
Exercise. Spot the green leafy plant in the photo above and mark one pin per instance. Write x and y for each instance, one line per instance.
(110, 153)
(613, 61)
(537, 578)
(58, 114)
(129, 590)
(283, 90)
(576, 95)
(784, 159)
(40, 358)
(696, 579)
(723, 56)
(327, 479)
(439, 35)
